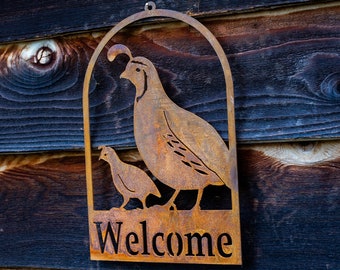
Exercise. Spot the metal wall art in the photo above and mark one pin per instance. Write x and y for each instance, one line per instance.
(182, 151)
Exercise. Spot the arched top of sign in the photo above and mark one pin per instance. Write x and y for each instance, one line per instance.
(150, 11)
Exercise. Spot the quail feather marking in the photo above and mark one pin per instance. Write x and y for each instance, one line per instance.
(129, 180)
(179, 148)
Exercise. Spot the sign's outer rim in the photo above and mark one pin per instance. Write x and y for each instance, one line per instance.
(150, 13)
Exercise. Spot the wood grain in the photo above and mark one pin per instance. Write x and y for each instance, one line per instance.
(285, 68)
(35, 19)
(289, 213)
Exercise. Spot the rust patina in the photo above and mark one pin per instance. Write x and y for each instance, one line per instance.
(181, 150)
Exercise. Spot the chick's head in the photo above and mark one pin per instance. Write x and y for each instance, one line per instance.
(104, 153)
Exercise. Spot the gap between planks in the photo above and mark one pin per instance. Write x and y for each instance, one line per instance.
(203, 16)
(292, 153)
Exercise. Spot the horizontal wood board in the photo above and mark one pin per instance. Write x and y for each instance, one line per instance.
(289, 212)
(285, 68)
(22, 20)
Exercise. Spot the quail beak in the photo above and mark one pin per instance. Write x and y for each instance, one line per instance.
(101, 153)
(123, 75)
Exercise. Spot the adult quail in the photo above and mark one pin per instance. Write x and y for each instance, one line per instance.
(129, 180)
(180, 149)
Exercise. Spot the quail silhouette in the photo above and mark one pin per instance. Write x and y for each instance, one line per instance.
(129, 180)
(180, 149)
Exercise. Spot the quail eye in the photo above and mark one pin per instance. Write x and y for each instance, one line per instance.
(138, 69)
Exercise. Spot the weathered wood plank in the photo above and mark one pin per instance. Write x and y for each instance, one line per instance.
(289, 212)
(36, 19)
(285, 67)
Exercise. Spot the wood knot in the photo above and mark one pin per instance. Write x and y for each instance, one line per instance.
(40, 53)
(44, 56)
(301, 153)
(330, 86)
(320, 73)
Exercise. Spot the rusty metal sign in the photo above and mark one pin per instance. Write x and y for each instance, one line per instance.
(182, 151)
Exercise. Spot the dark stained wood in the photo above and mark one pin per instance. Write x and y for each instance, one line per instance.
(36, 19)
(284, 55)
(289, 212)
(285, 67)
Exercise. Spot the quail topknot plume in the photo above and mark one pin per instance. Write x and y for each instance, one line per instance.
(179, 148)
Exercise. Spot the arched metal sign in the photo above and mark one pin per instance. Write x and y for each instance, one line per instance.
(182, 151)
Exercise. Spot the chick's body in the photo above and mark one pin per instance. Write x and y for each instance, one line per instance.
(130, 181)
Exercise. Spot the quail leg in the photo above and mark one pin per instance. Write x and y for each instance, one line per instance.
(125, 202)
(144, 203)
(171, 201)
(198, 200)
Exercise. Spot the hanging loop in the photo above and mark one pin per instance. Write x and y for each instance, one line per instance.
(150, 6)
